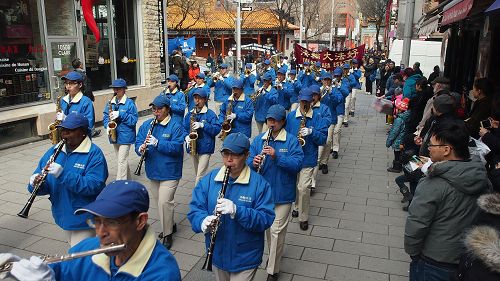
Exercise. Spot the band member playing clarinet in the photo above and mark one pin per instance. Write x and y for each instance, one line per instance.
(244, 213)
(120, 217)
(122, 111)
(163, 161)
(278, 157)
(202, 123)
(75, 178)
(311, 131)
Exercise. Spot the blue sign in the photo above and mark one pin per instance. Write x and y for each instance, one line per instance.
(188, 46)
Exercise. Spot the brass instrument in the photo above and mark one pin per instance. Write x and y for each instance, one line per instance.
(257, 94)
(193, 134)
(55, 259)
(266, 143)
(302, 141)
(112, 124)
(308, 71)
(227, 126)
(248, 72)
(207, 265)
(278, 84)
(216, 76)
(54, 133)
(324, 92)
(191, 85)
(38, 184)
(143, 155)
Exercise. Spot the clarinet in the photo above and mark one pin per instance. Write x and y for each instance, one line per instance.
(143, 155)
(207, 265)
(266, 143)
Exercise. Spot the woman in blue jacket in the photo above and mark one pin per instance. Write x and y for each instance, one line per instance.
(207, 126)
(267, 96)
(74, 179)
(177, 99)
(121, 110)
(241, 110)
(74, 100)
(200, 83)
(246, 211)
(279, 161)
(163, 161)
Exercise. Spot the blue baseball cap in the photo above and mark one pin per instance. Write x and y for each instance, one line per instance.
(326, 75)
(267, 62)
(223, 65)
(305, 94)
(236, 143)
(160, 101)
(315, 89)
(347, 66)
(267, 76)
(293, 72)
(355, 61)
(173, 77)
(200, 92)
(119, 83)
(75, 120)
(73, 76)
(118, 199)
(338, 72)
(200, 75)
(318, 63)
(237, 83)
(282, 71)
(306, 63)
(248, 65)
(277, 112)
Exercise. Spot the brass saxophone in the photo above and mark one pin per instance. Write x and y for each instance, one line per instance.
(227, 126)
(248, 72)
(54, 133)
(257, 94)
(302, 141)
(112, 124)
(193, 134)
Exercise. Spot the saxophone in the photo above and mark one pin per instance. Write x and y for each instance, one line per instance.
(257, 94)
(54, 134)
(112, 124)
(193, 134)
(227, 125)
(302, 141)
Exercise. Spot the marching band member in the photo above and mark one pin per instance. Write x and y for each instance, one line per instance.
(263, 99)
(163, 161)
(306, 76)
(122, 111)
(248, 79)
(343, 85)
(245, 212)
(200, 83)
(75, 178)
(296, 87)
(311, 130)
(75, 101)
(241, 110)
(222, 83)
(267, 69)
(318, 72)
(120, 216)
(278, 158)
(355, 86)
(284, 89)
(207, 126)
(177, 100)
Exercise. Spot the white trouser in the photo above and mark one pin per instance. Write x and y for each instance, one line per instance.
(303, 197)
(123, 170)
(76, 236)
(163, 192)
(217, 107)
(347, 107)
(276, 236)
(200, 163)
(245, 275)
(352, 106)
(261, 127)
(323, 154)
(294, 106)
(336, 133)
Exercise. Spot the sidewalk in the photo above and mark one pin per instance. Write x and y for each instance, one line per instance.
(356, 223)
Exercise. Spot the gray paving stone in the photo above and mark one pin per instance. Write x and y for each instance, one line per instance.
(325, 212)
(364, 226)
(329, 257)
(49, 246)
(337, 233)
(387, 240)
(396, 230)
(361, 249)
(17, 223)
(343, 198)
(309, 242)
(388, 220)
(304, 268)
(51, 231)
(185, 261)
(398, 254)
(339, 273)
(366, 209)
(384, 265)
(17, 239)
(383, 203)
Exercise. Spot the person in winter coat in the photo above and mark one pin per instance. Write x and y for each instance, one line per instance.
(491, 137)
(481, 108)
(194, 69)
(410, 78)
(385, 73)
(435, 74)
(444, 204)
(370, 69)
(396, 134)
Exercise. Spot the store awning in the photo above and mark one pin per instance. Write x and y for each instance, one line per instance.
(456, 10)
(429, 26)
(493, 7)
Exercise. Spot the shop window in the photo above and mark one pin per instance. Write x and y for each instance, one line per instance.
(23, 61)
(125, 41)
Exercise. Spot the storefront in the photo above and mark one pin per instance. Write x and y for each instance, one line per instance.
(39, 39)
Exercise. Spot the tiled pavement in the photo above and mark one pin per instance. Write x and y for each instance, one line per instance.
(356, 223)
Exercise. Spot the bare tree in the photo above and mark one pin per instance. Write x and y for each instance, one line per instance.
(374, 10)
(314, 24)
(283, 10)
(187, 9)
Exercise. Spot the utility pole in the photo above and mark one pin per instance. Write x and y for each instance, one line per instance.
(410, 9)
(331, 26)
(238, 38)
(301, 21)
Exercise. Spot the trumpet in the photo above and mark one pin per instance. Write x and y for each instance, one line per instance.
(43, 175)
(112, 124)
(143, 155)
(308, 71)
(266, 143)
(207, 265)
(278, 84)
(216, 76)
(7, 267)
(54, 134)
(193, 134)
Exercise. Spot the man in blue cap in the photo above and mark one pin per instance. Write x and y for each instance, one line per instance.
(202, 122)
(320, 100)
(318, 72)
(163, 161)
(121, 111)
(222, 83)
(278, 161)
(246, 211)
(237, 110)
(350, 82)
(284, 89)
(295, 87)
(341, 86)
(248, 79)
(177, 100)
(76, 177)
(267, 70)
(199, 83)
(263, 99)
(311, 130)
(120, 216)
(306, 77)
(75, 101)
(354, 76)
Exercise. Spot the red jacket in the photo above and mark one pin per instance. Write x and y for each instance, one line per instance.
(193, 72)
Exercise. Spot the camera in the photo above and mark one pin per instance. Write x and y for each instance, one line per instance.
(486, 124)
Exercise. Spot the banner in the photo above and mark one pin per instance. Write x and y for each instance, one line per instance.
(188, 46)
(329, 59)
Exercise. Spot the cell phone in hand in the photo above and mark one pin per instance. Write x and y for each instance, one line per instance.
(486, 124)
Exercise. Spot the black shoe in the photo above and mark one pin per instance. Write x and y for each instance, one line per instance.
(168, 241)
(345, 124)
(393, 170)
(174, 228)
(304, 225)
(295, 214)
(351, 113)
(335, 155)
(324, 169)
(96, 133)
(272, 277)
